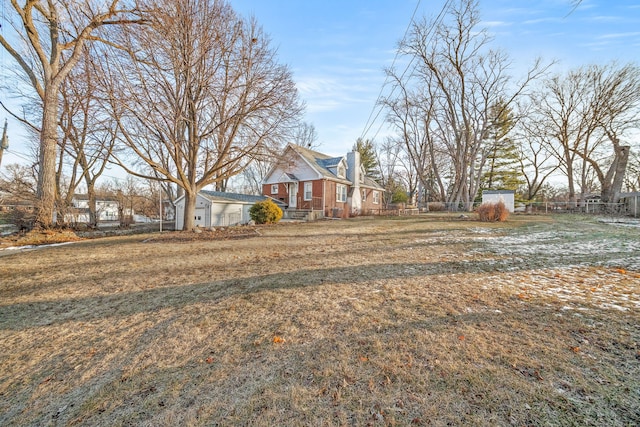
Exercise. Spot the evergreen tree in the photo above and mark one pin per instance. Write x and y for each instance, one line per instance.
(368, 157)
(502, 160)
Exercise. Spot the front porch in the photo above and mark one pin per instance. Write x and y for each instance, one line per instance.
(304, 210)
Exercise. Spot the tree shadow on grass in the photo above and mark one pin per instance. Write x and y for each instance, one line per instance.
(23, 315)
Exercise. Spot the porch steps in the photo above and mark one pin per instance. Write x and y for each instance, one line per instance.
(298, 215)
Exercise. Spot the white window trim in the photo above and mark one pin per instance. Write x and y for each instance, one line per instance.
(341, 193)
(308, 188)
(364, 195)
(274, 187)
(376, 197)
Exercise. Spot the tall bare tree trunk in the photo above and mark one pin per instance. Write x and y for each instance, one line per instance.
(46, 190)
(620, 162)
(189, 210)
(91, 196)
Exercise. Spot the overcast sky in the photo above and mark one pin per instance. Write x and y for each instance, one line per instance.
(337, 49)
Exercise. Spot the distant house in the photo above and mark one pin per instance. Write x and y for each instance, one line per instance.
(495, 196)
(309, 181)
(107, 209)
(217, 209)
(9, 204)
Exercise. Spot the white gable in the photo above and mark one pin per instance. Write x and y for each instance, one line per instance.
(297, 167)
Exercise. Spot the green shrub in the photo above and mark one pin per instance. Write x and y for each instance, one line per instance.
(265, 212)
(399, 196)
(491, 212)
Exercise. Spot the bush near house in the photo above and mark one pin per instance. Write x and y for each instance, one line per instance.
(265, 212)
(491, 212)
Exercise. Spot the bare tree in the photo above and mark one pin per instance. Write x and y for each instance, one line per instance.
(18, 182)
(86, 142)
(617, 114)
(460, 80)
(306, 135)
(410, 113)
(387, 154)
(536, 163)
(204, 95)
(582, 117)
(54, 34)
(253, 175)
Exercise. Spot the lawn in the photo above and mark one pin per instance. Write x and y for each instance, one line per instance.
(427, 320)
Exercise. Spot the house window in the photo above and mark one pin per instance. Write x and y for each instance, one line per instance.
(274, 188)
(364, 195)
(308, 187)
(341, 171)
(341, 193)
(376, 197)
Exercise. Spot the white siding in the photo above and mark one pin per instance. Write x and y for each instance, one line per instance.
(214, 213)
(200, 217)
(301, 170)
(225, 214)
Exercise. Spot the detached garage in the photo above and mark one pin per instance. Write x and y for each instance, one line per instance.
(495, 196)
(218, 209)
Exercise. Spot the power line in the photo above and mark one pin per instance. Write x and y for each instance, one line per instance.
(437, 22)
(368, 125)
(20, 155)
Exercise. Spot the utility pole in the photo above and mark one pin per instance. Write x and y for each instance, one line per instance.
(4, 143)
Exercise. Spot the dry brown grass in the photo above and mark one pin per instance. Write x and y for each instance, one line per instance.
(404, 321)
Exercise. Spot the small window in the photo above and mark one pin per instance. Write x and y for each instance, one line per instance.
(341, 193)
(376, 197)
(274, 188)
(308, 187)
(364, 195)
(341, 172)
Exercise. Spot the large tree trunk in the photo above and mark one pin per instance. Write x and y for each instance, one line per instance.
(620, 162)
(91, 194)
(46, 190)
(189, 210)
(570, 184)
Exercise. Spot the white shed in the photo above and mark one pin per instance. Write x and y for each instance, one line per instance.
(218, 209)
(495, 196)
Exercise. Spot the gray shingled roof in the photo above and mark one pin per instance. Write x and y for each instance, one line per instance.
(370, 182)
(232, 197)
(321, 163)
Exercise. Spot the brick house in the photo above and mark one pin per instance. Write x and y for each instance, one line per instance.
(317, 185)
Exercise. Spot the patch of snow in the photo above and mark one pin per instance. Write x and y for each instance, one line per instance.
(33, 247)
(614, 306)
(621, 222)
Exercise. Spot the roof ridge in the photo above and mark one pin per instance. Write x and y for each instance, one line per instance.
(314, 153)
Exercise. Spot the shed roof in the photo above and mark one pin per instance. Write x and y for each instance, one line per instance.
(222, 196)
(498, 192)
